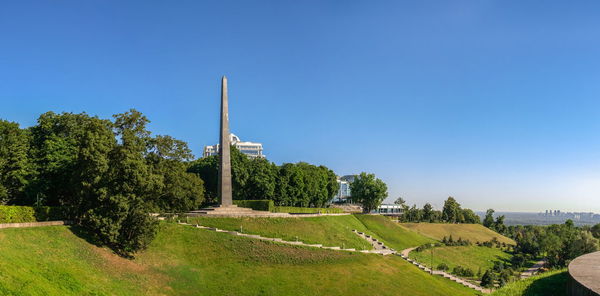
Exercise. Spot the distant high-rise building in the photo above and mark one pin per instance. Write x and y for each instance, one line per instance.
(251, 149)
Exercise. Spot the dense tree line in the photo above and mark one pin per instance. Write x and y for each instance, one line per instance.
(291, 184)
(107, 175)
(452, 212)
(559, 243)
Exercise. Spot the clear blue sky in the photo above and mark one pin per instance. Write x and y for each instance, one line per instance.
(493, 102)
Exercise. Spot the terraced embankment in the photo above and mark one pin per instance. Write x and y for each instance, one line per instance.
(184, 260)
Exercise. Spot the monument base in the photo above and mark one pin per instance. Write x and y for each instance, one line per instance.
(233, 211)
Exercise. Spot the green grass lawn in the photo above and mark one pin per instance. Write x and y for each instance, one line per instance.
(553, 283)
(333, 231)
(188, 261)
(472, 232)
(472, 257)
(391, 233)
(53, 261)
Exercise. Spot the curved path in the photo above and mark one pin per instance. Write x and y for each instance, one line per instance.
(533, 269)
(378, 248)
(404, 254)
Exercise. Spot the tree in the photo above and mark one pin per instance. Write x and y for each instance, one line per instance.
(206, 169)
(15, 166)
(488, 279)
(451, 212)
(488, 221)
(499, 225)
(585, 243)
(262, 179)
(368, 191)
(470, 217)
(595, 230)
(176, 189)
(400, 201)
(428, 212)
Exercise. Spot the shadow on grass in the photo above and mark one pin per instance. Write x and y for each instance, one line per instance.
(85, 234)
(554, 285)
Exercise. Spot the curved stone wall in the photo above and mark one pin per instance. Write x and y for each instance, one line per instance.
(584, 274)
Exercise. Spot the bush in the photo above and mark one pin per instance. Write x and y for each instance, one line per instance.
(21, 214)
(462, 271)
(299, 210)
(443, 267)
(257, 205)
(49, 214)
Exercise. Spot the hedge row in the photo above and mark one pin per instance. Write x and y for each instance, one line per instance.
(299, 210)
(20, 214)
(257, 205)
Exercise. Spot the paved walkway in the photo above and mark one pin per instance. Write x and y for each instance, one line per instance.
(279, 240)
(404, 254)
(34, 224)
(378, 248)
(533, 269)
(377, 245)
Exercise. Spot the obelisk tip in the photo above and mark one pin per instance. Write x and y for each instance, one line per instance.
(224, 77)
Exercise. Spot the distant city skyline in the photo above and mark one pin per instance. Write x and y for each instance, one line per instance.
(492, 102)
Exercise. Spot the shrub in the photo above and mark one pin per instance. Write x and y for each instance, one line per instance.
(49, 214)
(462, 271)
(257, 205)
(21, 214)
(443, 267)
(299, 210)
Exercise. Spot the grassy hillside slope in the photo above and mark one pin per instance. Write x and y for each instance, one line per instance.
(472, 257)
(188, 261)
(391, 233)
(553, 283)
(53, 261)
(326, 230)
(472, 232)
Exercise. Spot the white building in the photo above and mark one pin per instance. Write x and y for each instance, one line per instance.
(253, 150)
(344, 192)
(389, 209)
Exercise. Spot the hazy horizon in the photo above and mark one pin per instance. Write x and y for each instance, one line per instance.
(494, 103)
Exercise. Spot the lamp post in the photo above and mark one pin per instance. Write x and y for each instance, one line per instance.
(432, 245)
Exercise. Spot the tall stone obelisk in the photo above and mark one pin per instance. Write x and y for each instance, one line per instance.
(224, 147)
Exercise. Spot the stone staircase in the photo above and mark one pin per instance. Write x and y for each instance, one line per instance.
(377, 245)
(404, 255)
(381, 247)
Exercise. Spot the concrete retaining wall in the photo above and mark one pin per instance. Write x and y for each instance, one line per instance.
(584, 276)
(34, 224)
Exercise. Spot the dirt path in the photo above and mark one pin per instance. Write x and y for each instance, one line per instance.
(533, 269)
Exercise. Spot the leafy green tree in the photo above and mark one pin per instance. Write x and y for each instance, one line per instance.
(488, 279)
(54, 152)
(451, 212)
(488, 221)
(206, 169)
(470, 217)
(262, 179)
(400, 201)
(175, 190)
(368, 191)
(499, 225)
(595, 230)
(583, 244)
(15, 166)
(428, 212)
(290, 185)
